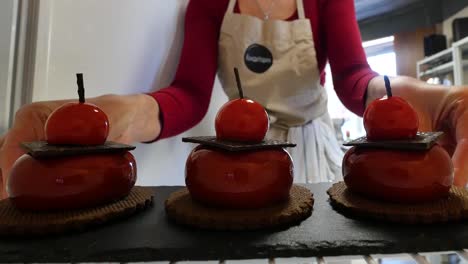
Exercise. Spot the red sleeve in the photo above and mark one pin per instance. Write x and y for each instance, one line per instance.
(348, 62)
(185, 102)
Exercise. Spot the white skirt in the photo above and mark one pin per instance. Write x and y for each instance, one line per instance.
(317, 156)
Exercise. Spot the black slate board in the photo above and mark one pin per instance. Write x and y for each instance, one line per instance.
(238, 146)
(151, 237)
(40, 149)
(423, 141)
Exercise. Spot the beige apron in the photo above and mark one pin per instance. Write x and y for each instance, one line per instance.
(278, 68)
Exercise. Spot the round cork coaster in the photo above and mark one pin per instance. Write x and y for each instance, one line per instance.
(182, 209)
(15, 222)
(449, 209)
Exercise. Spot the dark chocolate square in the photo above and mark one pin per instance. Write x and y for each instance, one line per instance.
(238, 146)
(422, 141)
(40, 149)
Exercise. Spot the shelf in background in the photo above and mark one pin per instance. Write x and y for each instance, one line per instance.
(452, 60)
(462, 44)
(435, 59)
(442, 69)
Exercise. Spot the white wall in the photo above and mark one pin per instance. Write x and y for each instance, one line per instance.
(447, 24)
(7, 27)
(121, 46)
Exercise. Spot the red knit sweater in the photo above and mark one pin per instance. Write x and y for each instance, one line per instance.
(337, 39)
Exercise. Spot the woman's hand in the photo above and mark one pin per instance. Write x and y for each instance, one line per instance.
(439, 108)
(132, 118)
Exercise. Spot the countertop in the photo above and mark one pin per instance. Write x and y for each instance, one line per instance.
(150, 236)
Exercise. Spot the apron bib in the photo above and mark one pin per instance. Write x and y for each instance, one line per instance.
(278, 68)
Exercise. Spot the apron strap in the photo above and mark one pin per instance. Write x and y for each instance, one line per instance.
(300, 9)
(232, 4)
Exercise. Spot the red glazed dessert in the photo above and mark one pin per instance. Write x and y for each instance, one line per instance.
(251, 179)
(399, 176)
(404, 176)
(239, 179)
(71, 182)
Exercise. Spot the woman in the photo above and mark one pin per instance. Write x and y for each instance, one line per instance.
(281, 48)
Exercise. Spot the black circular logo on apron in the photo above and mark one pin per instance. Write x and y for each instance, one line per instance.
(258, 58)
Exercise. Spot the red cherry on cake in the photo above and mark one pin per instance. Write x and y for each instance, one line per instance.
(78, 123)
(390, 118)
(241, 119)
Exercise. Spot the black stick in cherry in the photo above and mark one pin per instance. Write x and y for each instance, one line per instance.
(81, 90)
(239, 84)
(388, 87)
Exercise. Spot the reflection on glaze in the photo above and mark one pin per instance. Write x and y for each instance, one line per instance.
(400, 176)
(71, 182)
(247, 179)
